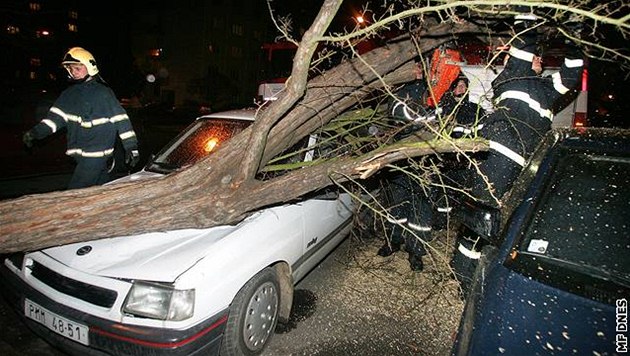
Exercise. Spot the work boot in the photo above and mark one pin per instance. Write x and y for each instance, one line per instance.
(415, 262)
(388, 249)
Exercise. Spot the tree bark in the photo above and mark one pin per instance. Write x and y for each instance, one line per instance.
(221, 188)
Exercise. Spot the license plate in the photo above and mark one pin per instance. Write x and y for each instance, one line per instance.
(62, 326)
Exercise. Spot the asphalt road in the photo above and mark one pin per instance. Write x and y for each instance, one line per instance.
(357, 303)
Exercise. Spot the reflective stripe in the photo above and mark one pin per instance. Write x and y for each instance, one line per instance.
(120, 117)
(399, 221)
(126, 135)
(95, 122)
(425, 118)
(524, 97)
(395, 106)
(419, 228)
(530, 17)
(398, 103)
(466, 130)
(557, 83)
(444, 210)
(472, 254)
(74, 118)
(50, 124)
(573, 63)
(80, 152)
(520, 54)
(88, 124)
(507, 153)
(407, 113)
(56, 110)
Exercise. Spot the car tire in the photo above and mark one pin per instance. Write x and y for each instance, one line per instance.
(253, 315)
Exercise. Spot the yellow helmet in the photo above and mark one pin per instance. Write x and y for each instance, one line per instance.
(79, 55)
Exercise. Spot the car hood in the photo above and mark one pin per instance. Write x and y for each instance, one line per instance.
(156, 256)
(520, 315)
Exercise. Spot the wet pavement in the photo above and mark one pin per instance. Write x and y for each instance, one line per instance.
(357, 303)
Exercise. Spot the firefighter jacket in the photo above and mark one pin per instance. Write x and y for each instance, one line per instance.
(93, 118)
(523, 103)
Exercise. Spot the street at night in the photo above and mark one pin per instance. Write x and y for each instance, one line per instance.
(329, 178)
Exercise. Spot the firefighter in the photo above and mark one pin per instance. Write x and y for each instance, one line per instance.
(466, 115)
(523, 100)
(93, 119)
(404, 198)
(523, 114)
(411, 205)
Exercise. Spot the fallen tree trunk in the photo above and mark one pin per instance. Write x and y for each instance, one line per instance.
(219, 190)
(178, 201)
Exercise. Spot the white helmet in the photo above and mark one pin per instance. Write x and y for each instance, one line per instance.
(79, 55)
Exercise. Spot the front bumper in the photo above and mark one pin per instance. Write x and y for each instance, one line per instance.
(110, 338)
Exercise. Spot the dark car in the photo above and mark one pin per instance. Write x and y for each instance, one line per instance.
(554, 274)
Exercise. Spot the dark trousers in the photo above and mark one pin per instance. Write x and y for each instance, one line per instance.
(408, 202)
(89, 172)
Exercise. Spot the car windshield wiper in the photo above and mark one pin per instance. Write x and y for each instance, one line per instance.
(617, 278)
(162, 167)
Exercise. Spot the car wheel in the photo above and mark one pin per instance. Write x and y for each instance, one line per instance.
(253, 315)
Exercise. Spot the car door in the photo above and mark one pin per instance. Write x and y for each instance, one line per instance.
(324, 216)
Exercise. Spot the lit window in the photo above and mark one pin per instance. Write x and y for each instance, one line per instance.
(155, 52)
(72, 27)
(34, 6)
(32, 75)
(237, 29)
(13, 30)
(42, 33)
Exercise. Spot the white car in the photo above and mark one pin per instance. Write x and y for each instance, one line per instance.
(217, 290)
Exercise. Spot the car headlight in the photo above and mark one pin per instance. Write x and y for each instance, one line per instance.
(158, 301)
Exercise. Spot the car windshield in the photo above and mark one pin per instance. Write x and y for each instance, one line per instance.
(197, 141)
(580, 218)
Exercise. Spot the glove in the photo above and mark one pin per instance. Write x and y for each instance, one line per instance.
(28, 139)
(132, 156)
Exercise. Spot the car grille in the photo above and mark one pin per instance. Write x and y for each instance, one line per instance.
(89, 293)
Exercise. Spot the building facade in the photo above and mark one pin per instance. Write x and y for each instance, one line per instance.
(200, 52)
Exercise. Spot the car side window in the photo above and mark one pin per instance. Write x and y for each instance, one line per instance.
(300, 154)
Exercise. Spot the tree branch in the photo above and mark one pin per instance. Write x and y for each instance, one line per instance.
(295, 87)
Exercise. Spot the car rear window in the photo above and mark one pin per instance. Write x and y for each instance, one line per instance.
(580, 217)
(580, 222)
